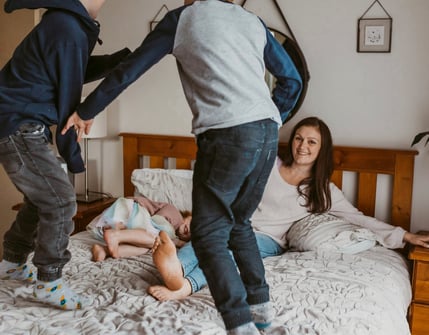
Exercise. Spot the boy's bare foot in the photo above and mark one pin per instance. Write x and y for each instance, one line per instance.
(99, 253)
(166, 261)
(162, 293)
(110, 236)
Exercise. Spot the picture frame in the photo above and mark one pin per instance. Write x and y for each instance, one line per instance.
(374, 35)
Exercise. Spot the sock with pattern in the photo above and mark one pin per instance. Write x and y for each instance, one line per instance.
(56, 293)
(246, 329)
(262, 314)
(17, 271)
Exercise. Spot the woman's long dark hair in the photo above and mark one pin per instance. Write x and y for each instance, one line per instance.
(315, 189)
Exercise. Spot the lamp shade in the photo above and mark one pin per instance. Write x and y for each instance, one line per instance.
(99, 126)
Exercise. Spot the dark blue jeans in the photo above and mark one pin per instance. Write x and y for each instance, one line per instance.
(193, 273)
(230, 174)
(44, 222)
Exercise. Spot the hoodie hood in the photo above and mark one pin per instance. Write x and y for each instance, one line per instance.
(74, 6)
(71, 5)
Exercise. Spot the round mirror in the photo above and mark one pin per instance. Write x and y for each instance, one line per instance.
(295, 53)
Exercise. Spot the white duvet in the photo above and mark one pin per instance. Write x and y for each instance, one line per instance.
(323, 293)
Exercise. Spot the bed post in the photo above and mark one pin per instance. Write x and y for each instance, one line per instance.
(131, 162)
(403, 189)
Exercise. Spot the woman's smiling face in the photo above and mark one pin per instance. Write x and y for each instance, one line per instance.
(306, 145)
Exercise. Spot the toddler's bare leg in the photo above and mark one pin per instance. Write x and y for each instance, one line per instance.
(139, 238)
(128, 250)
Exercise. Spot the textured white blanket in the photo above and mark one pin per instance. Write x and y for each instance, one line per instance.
(320, 293)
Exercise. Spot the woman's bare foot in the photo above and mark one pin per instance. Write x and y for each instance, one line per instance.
(166, 261)
(99, 253)
(110, 236)
(162, 293)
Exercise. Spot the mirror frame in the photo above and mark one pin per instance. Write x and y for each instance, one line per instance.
(295, 53)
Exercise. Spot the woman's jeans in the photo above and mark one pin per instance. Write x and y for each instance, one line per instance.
(44, 222)
(193, 273)
(230, 174)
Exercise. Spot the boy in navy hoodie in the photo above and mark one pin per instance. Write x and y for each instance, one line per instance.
(39, 87)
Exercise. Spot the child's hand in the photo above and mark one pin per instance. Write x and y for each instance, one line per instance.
(79, 125)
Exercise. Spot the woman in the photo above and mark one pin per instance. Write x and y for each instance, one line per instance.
(299, 185)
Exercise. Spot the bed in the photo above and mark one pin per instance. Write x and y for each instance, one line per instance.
(313, 291)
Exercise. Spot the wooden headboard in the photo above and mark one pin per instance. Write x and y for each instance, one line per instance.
(366, 162)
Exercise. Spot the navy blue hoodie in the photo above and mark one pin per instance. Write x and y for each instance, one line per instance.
(43, 80)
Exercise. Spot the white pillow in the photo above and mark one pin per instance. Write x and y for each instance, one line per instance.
(328, 232)
(173, 186)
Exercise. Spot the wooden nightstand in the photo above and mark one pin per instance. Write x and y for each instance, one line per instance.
(85, 212)
(419, 308)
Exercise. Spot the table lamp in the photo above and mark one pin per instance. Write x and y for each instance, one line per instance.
(98, 130)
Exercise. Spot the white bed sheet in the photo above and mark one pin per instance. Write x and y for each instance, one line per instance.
(313, 293)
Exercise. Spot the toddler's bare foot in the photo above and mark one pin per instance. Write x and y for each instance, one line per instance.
(166, 261)
(110, 236)
(99, 253)
(162, 293)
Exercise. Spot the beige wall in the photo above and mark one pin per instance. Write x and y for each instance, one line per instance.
(13, 27)
(376, 100)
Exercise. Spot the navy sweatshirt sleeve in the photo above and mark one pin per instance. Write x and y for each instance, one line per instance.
(70, 81)
(154, 47)
(99, 66)
(71, 59)
(289, 82)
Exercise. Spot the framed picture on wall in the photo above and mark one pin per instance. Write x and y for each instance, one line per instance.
(374, 35)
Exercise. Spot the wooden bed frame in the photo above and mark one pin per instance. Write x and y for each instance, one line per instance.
(366, 162)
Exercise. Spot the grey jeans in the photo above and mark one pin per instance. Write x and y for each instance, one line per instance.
(44, 222)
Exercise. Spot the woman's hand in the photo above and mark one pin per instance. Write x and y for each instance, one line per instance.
(417, 239)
